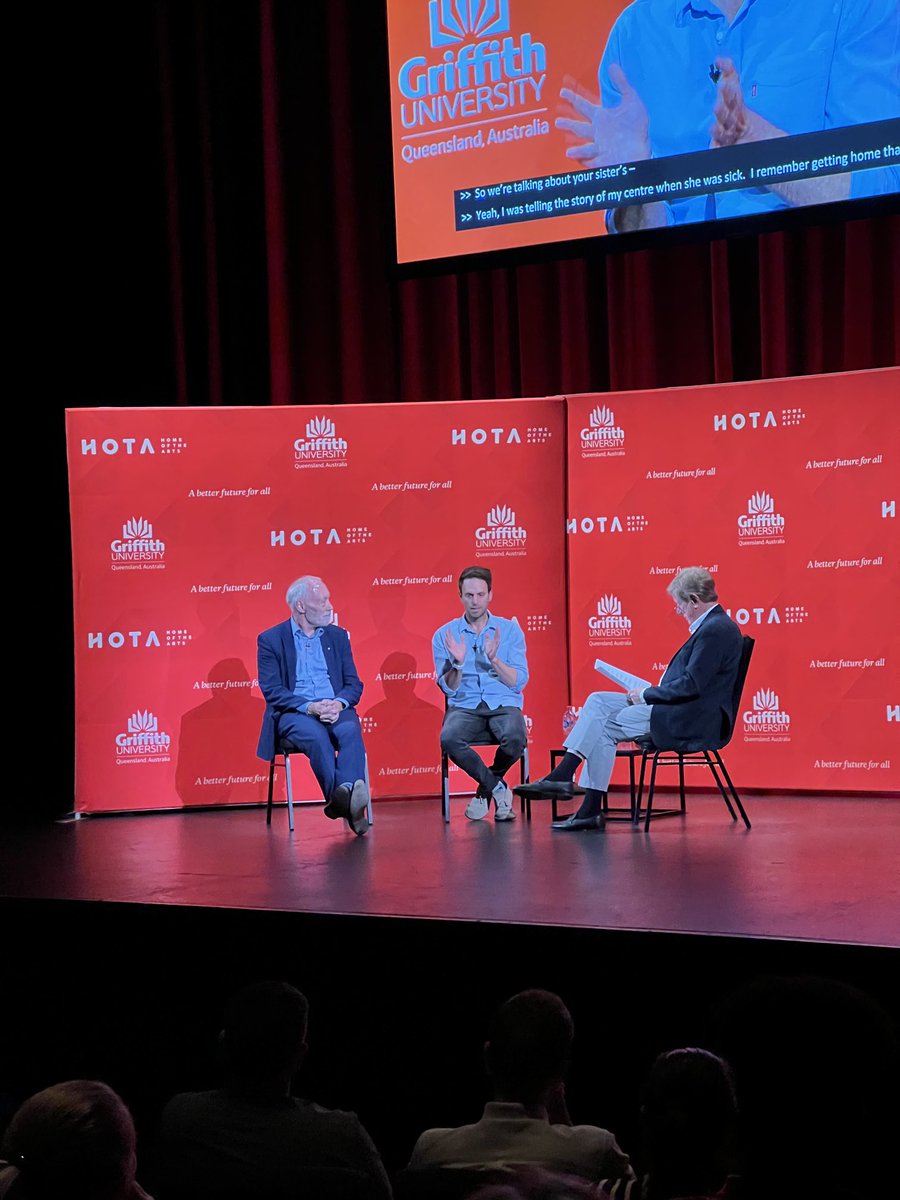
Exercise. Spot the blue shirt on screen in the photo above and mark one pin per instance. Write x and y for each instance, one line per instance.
(312, 682)
(804, 65)
(479, 681)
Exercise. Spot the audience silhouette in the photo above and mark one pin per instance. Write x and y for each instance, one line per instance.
(526, 1056)
(252, 1138)
(72, 1141)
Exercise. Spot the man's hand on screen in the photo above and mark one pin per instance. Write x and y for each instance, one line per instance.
(608, 135)
(735, 123)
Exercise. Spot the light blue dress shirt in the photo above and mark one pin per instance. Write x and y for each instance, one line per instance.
(479, 681)
(311, 681)
(804, 65)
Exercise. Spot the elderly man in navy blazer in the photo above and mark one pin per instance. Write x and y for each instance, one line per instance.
(690, 708)
(308, 677)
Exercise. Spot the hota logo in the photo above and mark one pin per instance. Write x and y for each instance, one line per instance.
(479, 74)
(136, 639)
(766, 721)
(321, 447)
(602, 438)
(609, 523)
(788, 614)
(758, 420)
(500, 535)
(133, 445)
(761, 525)
(144, 741)
(137, 549)
(609, 627)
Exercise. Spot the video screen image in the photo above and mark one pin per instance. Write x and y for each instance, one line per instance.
(522, 122)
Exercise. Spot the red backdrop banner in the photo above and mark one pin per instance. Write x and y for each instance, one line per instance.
(189, 524)
(786, 491)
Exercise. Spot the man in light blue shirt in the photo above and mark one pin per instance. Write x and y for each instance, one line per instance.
(480, 666)
(684, 75)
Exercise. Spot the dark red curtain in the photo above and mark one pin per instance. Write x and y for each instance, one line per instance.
(212, 223)
(270, 123)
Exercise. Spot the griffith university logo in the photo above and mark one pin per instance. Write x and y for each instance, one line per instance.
(602, 437)
(500, 534)
(760, 525)
(321, 447)
(766, 721)
(137, 548)
(609, 627)
(483, 72)
(143, 741)
(452, 21)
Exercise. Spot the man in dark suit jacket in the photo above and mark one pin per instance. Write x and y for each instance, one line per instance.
(308, 677)
(690, 708)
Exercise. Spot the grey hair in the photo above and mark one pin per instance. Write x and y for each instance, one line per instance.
(693, 581)
(301, 589)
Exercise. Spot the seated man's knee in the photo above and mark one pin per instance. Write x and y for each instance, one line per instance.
(514, 743)
(598, 703)
(449, 739)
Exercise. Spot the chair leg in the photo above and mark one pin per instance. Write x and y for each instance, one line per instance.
(650, 791)
(271, 787)
(631, 785)
(289, 791)
(681, 781)
(710, 762)
(733, 790)
(368, 792)
(524, 776)
(640, 793)
(445, 788)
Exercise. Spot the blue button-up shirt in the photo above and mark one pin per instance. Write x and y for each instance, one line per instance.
(479, 681)
(804, 65)
(311, 681)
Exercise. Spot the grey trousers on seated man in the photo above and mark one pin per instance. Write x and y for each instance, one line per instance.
(462, 726)
(606, 719)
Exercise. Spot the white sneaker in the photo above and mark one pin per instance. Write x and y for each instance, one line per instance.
(503, 802)
(477, 808)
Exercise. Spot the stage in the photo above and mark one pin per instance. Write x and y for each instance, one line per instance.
(123, 935)
(820, 868)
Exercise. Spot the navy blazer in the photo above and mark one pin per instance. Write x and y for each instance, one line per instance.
(692, 706)
(276, 668)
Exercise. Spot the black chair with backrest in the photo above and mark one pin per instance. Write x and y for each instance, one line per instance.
(711, 758)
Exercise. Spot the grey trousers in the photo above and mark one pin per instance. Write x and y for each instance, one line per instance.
(462, 725)
(606, 719)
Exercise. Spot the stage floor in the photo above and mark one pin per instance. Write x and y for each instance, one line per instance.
(811, 869)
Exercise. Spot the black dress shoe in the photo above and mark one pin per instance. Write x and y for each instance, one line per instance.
(549, 787)
(339, 804)
(358, 815)
(579, 823)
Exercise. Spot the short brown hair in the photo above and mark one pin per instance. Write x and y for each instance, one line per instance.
(483, 573)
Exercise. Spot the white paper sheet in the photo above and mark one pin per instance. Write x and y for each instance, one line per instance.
(631, 683)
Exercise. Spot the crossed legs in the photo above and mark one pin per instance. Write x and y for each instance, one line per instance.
(606, 719)
(335, 752)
